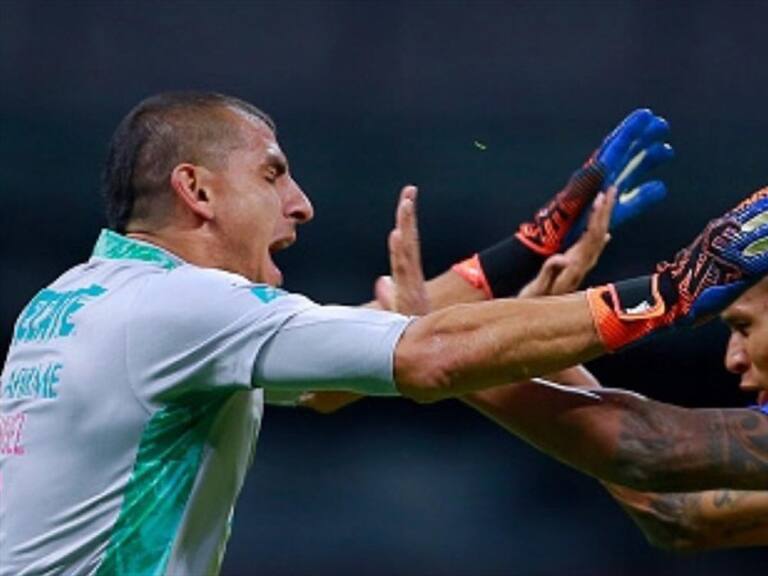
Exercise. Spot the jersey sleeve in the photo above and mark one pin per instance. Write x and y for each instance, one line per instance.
(201, 330)
(332, 348)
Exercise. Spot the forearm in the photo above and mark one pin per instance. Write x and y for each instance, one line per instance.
(472, 347)
(622, 438)
(449, 288)
(698, 520)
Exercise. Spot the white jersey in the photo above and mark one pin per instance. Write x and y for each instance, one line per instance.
(131, 401)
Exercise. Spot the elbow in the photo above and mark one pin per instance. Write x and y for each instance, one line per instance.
(670, 522)
(424, 370)
(677, 536)
(670, 543)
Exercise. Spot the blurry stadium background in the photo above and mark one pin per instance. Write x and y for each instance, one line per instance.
(369, 96)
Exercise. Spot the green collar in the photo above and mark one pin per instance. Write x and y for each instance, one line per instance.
(114, 246)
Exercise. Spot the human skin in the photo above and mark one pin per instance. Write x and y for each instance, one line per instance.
(233, 217)
(581, 429)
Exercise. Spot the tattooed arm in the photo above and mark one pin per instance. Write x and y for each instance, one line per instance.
(623, 438)
(698, 520)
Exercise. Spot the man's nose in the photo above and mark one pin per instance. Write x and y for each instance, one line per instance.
(736, 359)
(297, 205)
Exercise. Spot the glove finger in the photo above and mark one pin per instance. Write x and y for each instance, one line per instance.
(630, 204)
(753, 243)
(615, 147)
(643, 162)
(656, 131)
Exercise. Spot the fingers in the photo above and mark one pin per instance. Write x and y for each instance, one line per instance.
(409, 293)
(384, 291)
(563, 273)
(583, 255)
(549, 271)
(637, 200)
(634, 148)
(407, 226)
(656, 131)
(617, 145)
(591, 244)
(646, 159)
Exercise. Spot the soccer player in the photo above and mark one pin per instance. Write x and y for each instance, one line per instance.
(133, 389)
(709, 467)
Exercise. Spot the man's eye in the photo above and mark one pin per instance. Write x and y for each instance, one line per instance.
(740, 327)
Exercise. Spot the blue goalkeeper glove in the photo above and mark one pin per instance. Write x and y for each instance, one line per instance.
(626, 155)
(729, 256)
(626, 166)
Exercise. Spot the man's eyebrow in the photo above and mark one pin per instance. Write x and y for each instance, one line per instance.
(731, 317)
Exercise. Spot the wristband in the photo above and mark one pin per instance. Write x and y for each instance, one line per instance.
(471, 270)
(502, 270)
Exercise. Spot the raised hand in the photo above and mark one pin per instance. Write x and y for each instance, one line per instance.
(626, 155)
(405, 290)
(564, 273)
(622, 161)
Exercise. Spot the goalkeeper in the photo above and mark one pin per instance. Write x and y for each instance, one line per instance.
(139, 375)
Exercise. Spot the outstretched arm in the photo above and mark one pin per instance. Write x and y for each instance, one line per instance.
(622, 161)
(623, 438)
(698, 520)
(674, 520)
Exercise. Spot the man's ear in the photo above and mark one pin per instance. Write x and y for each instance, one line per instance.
(188, 182)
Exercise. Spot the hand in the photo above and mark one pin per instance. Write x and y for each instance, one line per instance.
(404, 291)
(728, 257)
(624, 158)
(646, 153)
(564, 273)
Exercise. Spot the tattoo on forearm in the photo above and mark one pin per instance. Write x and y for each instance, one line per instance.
(739, 440)
(723, 499)
(679, 447)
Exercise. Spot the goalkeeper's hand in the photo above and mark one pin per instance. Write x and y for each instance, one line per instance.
(729, 256)
(628, 170)
(623, 160)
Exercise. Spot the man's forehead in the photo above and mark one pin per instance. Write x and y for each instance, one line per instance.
(753, 300)
(259, 137)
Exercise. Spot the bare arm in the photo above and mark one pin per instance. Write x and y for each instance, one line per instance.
(406, 290)
(475, 346)
(625, 439)
(698, 520)
(469, 347)
(674, 520)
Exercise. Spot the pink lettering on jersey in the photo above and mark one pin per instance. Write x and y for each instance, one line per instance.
(11, 428)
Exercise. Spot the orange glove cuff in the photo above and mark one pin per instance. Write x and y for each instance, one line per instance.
(618, 327)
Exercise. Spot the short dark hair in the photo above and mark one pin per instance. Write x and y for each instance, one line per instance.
(158, 134)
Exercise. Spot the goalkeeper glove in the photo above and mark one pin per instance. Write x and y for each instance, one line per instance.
(625, 156)
(728, 257)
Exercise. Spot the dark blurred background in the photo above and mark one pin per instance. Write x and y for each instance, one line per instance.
(369, 96)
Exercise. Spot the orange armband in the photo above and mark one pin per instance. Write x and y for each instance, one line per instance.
(472, 271)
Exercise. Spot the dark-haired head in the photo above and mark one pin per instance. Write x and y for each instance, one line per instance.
(158, 134)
